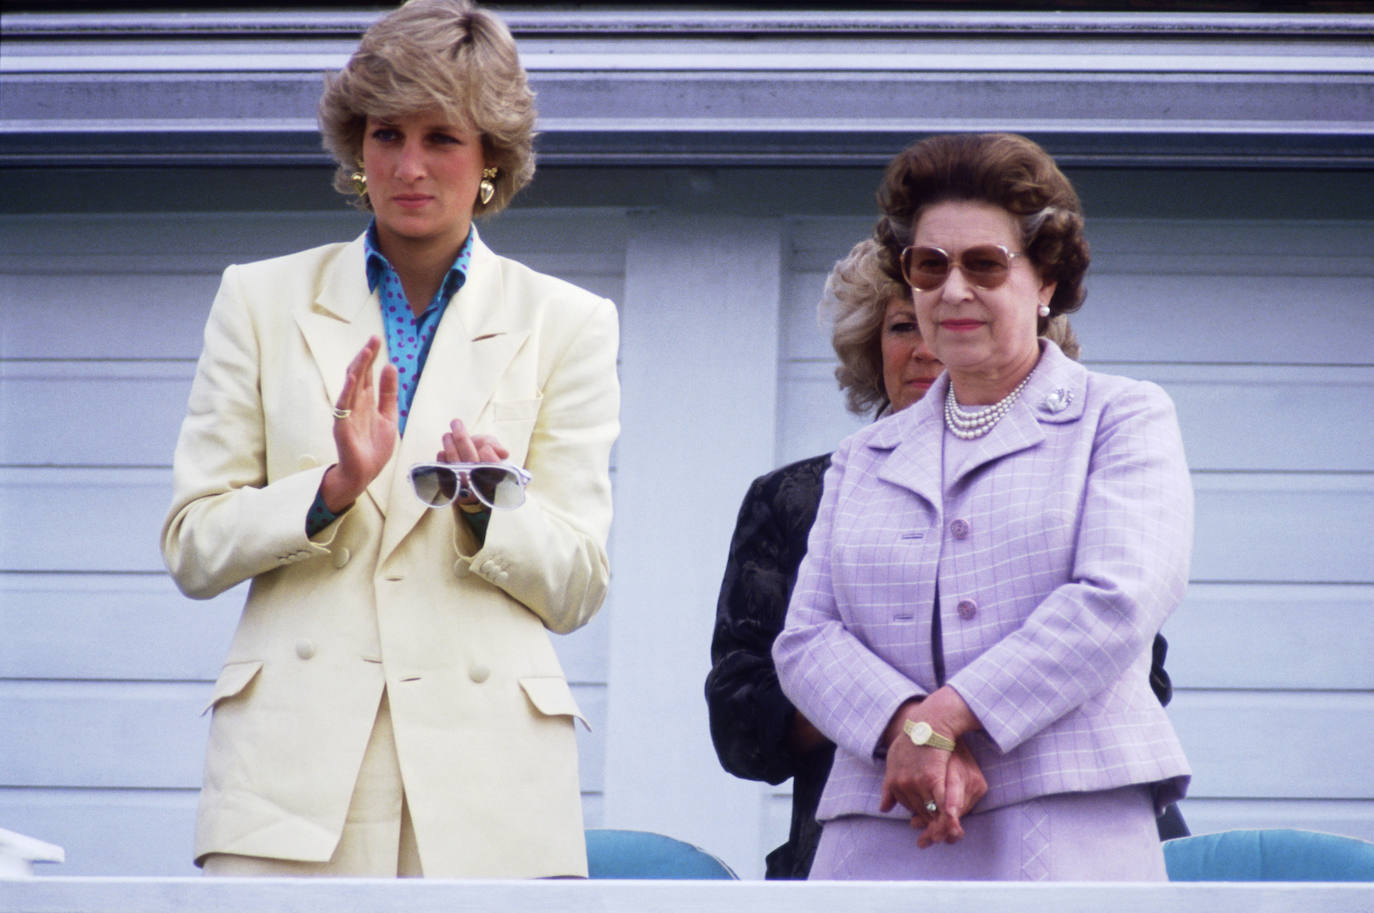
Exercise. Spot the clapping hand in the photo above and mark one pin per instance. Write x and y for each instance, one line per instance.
(364, 428)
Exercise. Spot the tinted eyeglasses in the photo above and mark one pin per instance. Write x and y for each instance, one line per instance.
(985, 266)
(499, 486)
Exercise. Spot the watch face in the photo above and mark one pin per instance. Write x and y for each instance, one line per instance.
(920, 733)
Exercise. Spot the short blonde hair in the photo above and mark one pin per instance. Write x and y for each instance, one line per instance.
(435, 54)
(855, 300)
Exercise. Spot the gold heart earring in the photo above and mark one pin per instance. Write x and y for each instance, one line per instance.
(487, 188)
(359, 179)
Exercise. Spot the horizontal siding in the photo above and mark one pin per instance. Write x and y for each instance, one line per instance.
(104, 832)
(1275, 636)
(1252, 744)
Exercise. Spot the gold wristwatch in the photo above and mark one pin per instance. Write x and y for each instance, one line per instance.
(923, 736)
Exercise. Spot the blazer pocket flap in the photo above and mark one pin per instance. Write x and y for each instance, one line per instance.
(551, 696)
(233, 678)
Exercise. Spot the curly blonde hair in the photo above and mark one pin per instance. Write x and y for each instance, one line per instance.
(444, 55)
(854, 302)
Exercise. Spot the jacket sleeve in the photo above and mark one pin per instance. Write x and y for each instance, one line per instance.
(550, 554)
(227, 523)
(849, 692)
(750, 717)
(1130, 570)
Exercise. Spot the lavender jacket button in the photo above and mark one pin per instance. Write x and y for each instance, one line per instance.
(967, 608)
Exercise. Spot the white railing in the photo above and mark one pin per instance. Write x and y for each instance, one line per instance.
(209, 895)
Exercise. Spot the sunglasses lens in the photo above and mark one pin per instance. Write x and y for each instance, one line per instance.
(925, 267)
(985, 266)
(497, 487)
(435, 485)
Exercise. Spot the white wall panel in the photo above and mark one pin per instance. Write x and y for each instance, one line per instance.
(1280, 528)
(83, 519)
(1273, 636)
(112, 626)
(123, 413)
(699, 368)
(123, 832)
(1291, 744)
(146, 315)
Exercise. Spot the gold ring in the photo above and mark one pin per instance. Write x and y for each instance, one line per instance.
(342, 413)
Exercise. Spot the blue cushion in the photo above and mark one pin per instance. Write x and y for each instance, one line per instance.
(1277, 854)
(644, 854)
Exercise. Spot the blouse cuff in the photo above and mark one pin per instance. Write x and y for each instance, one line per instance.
(318, 516)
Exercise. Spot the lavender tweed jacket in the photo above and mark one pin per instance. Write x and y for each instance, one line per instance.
(1060, 543)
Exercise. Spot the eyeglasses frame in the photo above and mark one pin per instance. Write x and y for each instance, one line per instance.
(905, 257)
(463, 473)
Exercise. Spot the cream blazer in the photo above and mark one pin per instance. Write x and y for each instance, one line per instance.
(394, 595)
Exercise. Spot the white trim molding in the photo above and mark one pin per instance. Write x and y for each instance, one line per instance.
(622, 86)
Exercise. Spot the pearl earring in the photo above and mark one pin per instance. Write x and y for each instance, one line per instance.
(1044, 310)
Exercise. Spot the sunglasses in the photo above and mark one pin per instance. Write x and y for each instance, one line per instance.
(499, 486)
(985, 266)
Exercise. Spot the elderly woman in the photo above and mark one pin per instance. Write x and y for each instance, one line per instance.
(391, 703)
(758, 734)
(987, 568)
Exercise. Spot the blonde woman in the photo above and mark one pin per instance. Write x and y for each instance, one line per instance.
(391, 703)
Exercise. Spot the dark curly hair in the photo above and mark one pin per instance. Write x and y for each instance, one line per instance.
(1003, 169)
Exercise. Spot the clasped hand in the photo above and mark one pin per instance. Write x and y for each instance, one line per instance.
(365, 427)
(917, 775)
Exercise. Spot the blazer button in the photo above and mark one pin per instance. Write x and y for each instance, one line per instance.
(341, 557)
(479, 673)
(967, 608)
(305, 648)
(959, 529)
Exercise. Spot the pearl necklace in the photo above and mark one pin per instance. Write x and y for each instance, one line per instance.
(971, 425)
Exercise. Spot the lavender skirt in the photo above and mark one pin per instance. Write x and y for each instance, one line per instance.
(1097, 836)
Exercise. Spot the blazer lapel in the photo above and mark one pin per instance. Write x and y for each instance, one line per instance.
(476, 340)
(914, 439)
(337, 325)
